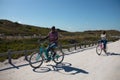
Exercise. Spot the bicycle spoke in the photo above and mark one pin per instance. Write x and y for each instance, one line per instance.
(98, 49)
(36, 60)
(58, 58)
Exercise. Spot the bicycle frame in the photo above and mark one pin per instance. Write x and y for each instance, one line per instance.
(37, 58)
(42, 52)
(101, 45)
(100, 48)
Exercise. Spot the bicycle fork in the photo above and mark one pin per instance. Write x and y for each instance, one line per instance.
(40, 54)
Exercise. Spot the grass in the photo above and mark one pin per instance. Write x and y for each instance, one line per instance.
(28, 44)
(14, 29)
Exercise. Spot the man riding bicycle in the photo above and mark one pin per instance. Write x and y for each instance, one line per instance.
(53, 40)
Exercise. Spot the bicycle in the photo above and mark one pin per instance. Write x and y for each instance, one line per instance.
(37, 58)
(100, 48)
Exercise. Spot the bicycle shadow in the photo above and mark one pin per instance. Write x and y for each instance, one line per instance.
(111, 54)
(41, 70)
(64, 68)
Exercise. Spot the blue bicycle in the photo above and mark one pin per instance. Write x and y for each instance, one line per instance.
(37, 58)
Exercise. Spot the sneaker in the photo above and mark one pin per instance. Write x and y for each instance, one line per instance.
(48, 60)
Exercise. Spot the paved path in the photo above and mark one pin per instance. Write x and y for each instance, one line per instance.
(83, 65)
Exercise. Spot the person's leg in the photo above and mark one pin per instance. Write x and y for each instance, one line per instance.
(105, 42)
(53, 45)
(47, 50)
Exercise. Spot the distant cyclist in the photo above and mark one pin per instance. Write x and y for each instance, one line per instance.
(104, 39)
(53, 40)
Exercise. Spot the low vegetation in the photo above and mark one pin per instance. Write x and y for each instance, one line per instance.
(8, 28)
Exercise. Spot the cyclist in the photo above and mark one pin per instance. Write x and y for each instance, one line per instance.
(53, 40)
(104, 40)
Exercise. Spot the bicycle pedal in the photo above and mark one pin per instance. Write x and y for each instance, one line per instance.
(47, 61)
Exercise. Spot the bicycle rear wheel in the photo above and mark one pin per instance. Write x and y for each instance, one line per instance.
(35, 60)
(98, 49)
(59, 55)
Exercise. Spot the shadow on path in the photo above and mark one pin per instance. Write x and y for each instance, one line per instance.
(113, 54)
(64, 68)
(13, 66)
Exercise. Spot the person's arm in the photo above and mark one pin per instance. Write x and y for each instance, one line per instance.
(41, 39)
(46, 37)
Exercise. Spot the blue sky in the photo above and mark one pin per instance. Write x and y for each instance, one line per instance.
(70, 15)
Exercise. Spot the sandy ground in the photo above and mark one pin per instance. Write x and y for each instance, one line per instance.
(81, 65)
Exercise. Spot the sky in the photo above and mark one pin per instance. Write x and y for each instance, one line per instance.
(69, 15)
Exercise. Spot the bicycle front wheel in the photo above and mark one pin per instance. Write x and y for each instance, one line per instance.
(59, 55)
(98, 49)
(36, 60)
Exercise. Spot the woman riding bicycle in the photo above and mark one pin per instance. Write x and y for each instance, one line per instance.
(104, 40)
(53, 40)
